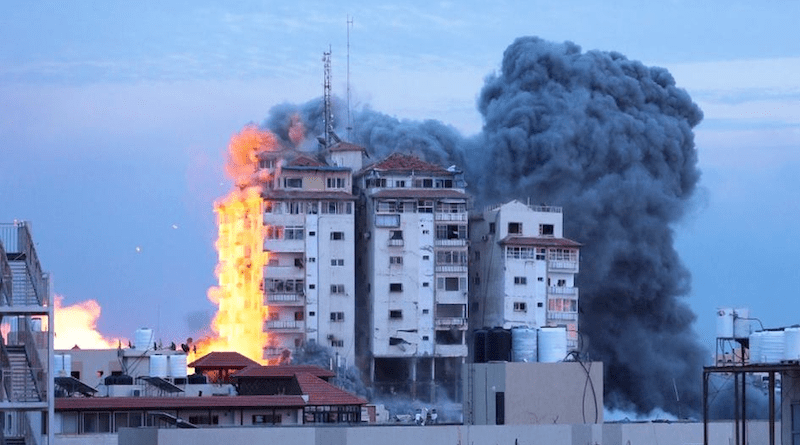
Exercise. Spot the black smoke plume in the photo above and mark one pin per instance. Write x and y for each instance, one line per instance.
(610, 140)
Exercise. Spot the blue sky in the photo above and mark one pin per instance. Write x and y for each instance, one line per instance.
(116, 116)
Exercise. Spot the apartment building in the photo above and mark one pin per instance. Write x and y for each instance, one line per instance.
(412, 276)
(309, 221)
(523, 269)
(26, 349)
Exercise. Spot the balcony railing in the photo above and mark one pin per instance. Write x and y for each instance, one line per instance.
(562, 265)
(284, 298)
(286, 325)
(565, 316)
(450, 216)
(451, 321)
(451, 268)
(396, 243)
(450, 242)
(562, 290)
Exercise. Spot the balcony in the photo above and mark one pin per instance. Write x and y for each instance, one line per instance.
(288, 299)
(450, 351)
(562, 290)
(450, 322)
(396, 243)
(562, 316)
(450, 216)
(281, 325)
(450, 242)
(451, 268)
(281, 245)
(284, 272)
(562, 265)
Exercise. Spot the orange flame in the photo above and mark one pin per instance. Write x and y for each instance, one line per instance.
(241, 312)
(76, 325)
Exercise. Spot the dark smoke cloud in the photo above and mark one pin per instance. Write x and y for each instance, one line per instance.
(610, 140)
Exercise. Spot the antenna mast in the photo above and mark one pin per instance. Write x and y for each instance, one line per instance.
(349, 121)
(328, 112)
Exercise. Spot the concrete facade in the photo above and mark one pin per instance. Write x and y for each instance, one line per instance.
(523, 270)
(413, 272)
(661, 433)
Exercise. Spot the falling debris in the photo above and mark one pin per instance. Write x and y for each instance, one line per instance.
(138, 249)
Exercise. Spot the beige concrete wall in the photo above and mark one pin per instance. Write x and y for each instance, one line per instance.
(720, 433)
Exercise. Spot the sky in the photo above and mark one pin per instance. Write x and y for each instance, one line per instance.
(116, 117)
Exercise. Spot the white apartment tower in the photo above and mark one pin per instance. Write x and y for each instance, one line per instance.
(26, 349)
(412, 309)
(309, 219)
(523, 269)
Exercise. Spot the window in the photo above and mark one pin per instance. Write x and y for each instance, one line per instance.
(295, 208)
(444, 183)
(337, 207)
(395, 287)
(337, 288)
(312, 314)
(477, 255)
(204, 419)
(426, 257)
(515, 228)
(396, 234)
(335, 183)
(451, 257)
(312, 233)
(399, 184)
(491, 227)
(561, 283)
(337, 262)
(540, 254)
(426, 284)
(562, 305)
(96, 422)
(387, 220)
(298, 262)
(266, 163)
(545, 230)
(266, 419)
(520, 280)
(425, 311)
(337, 236)
(451, 283)
(274, 232)
(396, 314)
(423, 183)
(337, 343)
(298, 316)
(293, 183)
(520, 306)
(499, 408)
(337, 316)
(424, 206)
(451, 231)
(293, 233)
(395, 260)
(375, 182)
(539, 278)
(425, 338)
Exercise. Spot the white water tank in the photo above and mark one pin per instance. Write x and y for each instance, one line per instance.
(523, 344)
(724, 322)
(741, 323)
(772, 347)
(177, 366)
(552, 344)
(58, 365)
(158, 365)
(756, 340)
(791, 344)
(143, 339)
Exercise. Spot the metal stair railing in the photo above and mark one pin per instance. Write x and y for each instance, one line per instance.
(34, 364)
(6, 372)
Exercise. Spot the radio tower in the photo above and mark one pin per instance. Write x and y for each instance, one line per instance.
(328, 116)
(349, 121)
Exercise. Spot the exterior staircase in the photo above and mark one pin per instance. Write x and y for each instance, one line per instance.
(23, 385)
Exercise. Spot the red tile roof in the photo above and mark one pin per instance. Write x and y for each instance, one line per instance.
(304, 161)
(321, 392)
(419, 193)
(537, 241)
(402, 162)
(114, 403)
(222, 360)
(282, 371)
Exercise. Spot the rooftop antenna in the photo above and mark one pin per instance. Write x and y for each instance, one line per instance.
(349, 121)
(328, 113)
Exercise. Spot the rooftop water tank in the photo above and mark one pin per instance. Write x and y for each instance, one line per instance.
(724, 322)
(479, 345)
(158, 365)
(741, 323)
(177, 366)
(143, 339)
(791, 344)
(772, 346)
(756, 340)
(498, 345)
(552, 344)
(523, 344)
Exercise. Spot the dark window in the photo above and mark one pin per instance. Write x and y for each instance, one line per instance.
(499, 408)
(515, 227)
(395, 313)
(546, 229)
(395, 287)
(337, 236)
